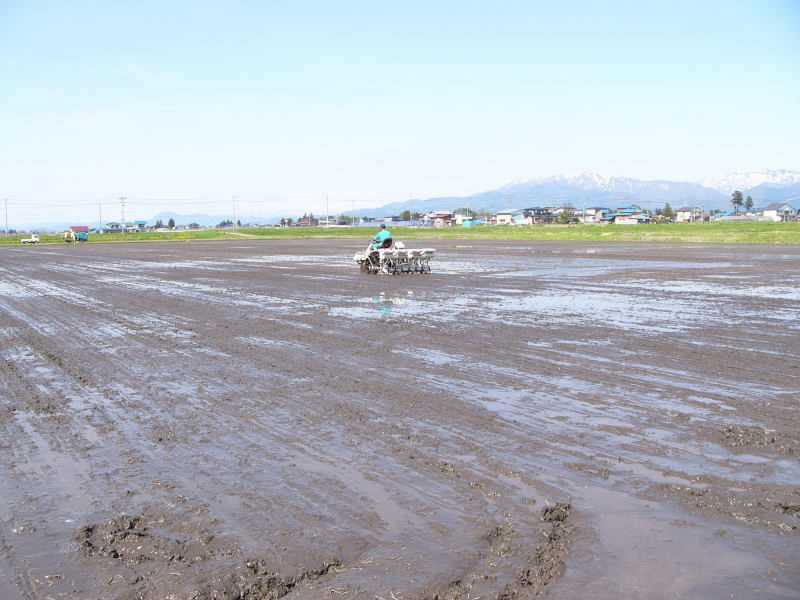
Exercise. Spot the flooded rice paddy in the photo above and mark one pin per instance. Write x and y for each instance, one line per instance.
(211, 420)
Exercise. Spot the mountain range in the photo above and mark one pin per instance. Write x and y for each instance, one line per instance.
(594, 189)
(589, 189)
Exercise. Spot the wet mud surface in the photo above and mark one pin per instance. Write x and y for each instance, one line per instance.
(258, 420)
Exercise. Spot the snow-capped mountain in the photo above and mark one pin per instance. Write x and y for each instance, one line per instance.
(596, 187)
(746, 181)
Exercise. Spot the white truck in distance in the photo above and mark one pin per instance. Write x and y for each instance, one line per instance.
(34, 239)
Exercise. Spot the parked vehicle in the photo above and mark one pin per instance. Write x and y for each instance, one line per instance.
(34, 239)
(71, 236)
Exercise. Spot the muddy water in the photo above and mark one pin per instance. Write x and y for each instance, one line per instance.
(260, 420)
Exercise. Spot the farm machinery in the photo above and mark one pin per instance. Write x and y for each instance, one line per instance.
(394, 259)
(75, 236)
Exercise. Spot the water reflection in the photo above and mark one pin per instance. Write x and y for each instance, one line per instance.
(385, 305)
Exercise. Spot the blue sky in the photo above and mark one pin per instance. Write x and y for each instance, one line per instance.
(374, 100)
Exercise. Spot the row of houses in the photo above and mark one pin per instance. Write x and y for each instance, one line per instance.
(628, 214)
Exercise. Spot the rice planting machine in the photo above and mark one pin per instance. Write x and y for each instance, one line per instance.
(393, 258)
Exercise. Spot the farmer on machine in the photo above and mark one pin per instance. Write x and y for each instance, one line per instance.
(383, 234)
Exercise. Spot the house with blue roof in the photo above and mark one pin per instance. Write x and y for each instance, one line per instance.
(630, 214)
(506, 217)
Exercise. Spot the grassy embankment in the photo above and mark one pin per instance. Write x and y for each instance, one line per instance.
(714, 233)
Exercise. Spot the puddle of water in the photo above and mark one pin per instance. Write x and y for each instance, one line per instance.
(657, 476)
(703, 288)
(648, 549)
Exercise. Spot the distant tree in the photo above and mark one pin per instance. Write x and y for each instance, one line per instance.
(289, 221)
(748, 203)
(283, 222)
(171, 224)
(465, 210)
(238, 223)
(415, 216)
(667, 212)
(737, 200)
(159, 224)
(194, 226)
(565, 216)
(405, 215)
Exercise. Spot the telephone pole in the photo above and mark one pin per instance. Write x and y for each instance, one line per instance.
(410, 209)
(234, 213)
(6, 218)
(100, 213)
(122, 203)
(327, 212)
(354, 211)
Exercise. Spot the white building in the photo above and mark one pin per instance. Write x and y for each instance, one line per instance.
(689, 213)
(779, 211)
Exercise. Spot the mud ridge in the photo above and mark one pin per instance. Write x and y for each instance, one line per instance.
(207, 571)
(739, 436)
(546, 564)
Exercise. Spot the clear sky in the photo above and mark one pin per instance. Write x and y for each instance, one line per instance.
(379, 99)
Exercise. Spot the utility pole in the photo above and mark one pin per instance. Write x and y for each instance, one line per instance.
(410, 209)
(100, 214)
(583, 200)
(234, 213)
(327, 213)
(6, 218)
(122, 203)
(507, 206)
(354, 211)
(469, 214)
